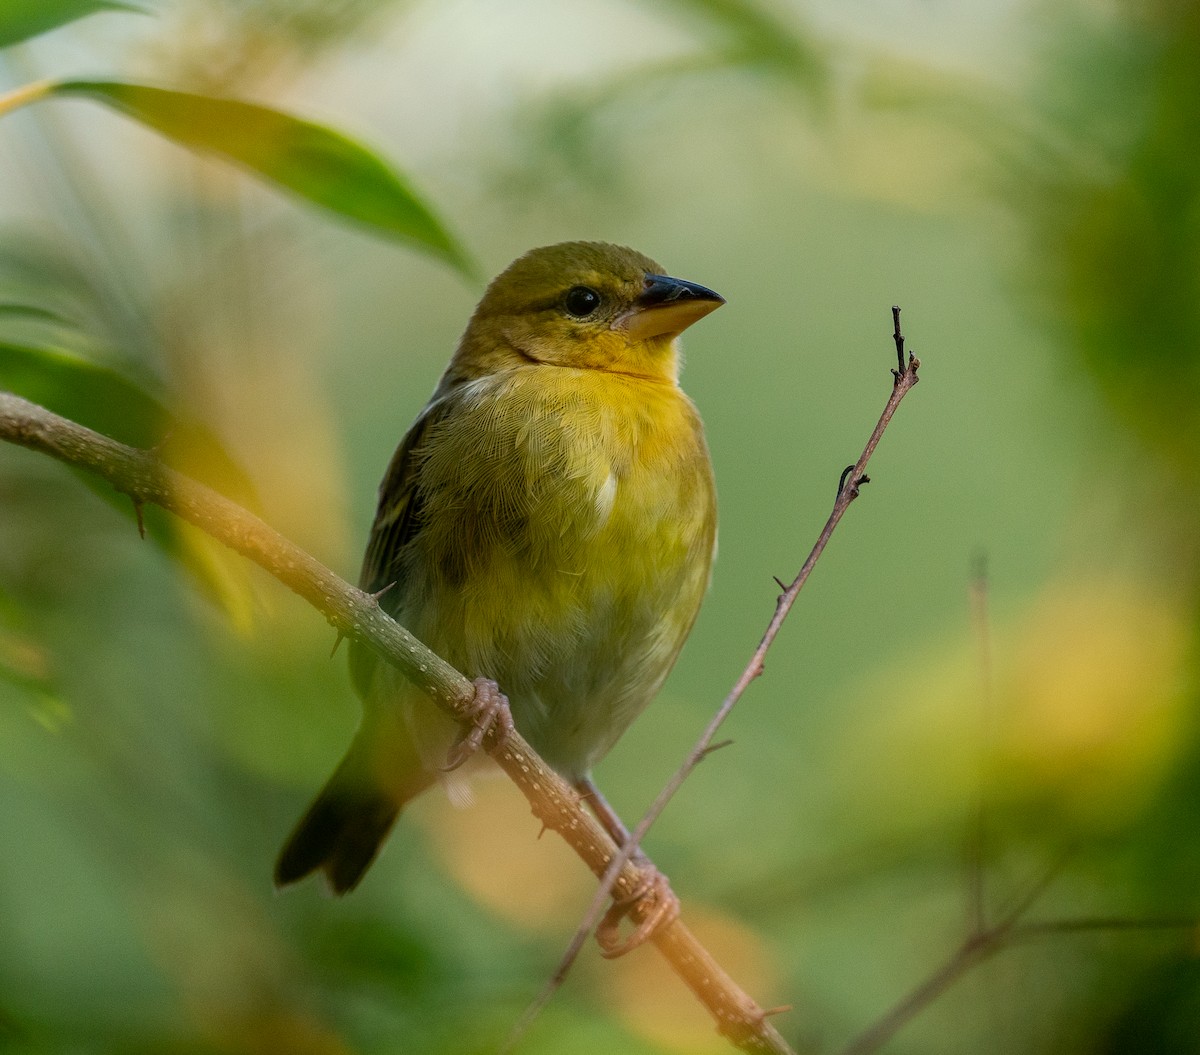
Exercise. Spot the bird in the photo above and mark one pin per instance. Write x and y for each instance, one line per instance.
(547, 525)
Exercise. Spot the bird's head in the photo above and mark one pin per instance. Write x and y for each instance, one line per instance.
(586, 305)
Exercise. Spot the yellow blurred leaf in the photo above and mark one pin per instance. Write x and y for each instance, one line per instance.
(490, 850)
(1097, 679)
(654, 1003)
(1086, 708)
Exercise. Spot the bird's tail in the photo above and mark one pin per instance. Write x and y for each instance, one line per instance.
(342, 831)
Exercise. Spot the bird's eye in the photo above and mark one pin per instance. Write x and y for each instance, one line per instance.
(581, 301)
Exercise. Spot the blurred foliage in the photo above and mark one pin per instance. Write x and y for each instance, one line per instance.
(317, 163)
(1118, 225)
(1021, 179)
(21, 19)
(110, 403)
(758, 37)
(577, 136)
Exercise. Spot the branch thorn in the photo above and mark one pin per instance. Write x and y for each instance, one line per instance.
(337, 644)
(379, 593)
(137, 510)
(713, 747)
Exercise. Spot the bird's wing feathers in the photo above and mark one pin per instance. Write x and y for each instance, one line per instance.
(398, 515)
(397, 520)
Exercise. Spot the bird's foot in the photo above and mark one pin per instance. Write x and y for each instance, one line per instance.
(651, 905)
(488, 710)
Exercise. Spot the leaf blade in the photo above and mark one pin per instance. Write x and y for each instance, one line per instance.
(107, 401)
(313, 161)
(22, 19)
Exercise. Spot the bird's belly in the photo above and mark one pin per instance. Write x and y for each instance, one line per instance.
(582, 622)
(615, 651)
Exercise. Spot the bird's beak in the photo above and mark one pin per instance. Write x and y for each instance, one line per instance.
(666, 307)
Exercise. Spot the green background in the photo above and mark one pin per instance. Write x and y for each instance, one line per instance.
(1021, 179)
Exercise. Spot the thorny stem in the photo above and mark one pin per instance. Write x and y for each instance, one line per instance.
(853, 477)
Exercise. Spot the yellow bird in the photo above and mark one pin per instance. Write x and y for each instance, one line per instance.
(549, 522)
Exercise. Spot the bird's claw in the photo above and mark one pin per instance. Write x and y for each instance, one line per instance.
(488, 710)
(652, 904)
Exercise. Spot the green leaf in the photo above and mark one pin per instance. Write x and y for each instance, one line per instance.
(315, 162)
(29, 311)
(86, 392)
(110, 403)
(22, 19)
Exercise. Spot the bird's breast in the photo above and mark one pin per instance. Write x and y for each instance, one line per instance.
(567, 530)
(559, 468)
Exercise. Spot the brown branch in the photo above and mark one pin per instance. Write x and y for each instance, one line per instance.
(853, 477)
(357, 615)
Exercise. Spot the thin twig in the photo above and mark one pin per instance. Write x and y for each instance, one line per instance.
(975, 948)
(983, 940)
(971, 952)
(1100, 924)
(848, 489)
(358, 616)
(977, 842)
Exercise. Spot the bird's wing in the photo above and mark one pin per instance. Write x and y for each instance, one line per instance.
(397, 517)
(397, 520)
